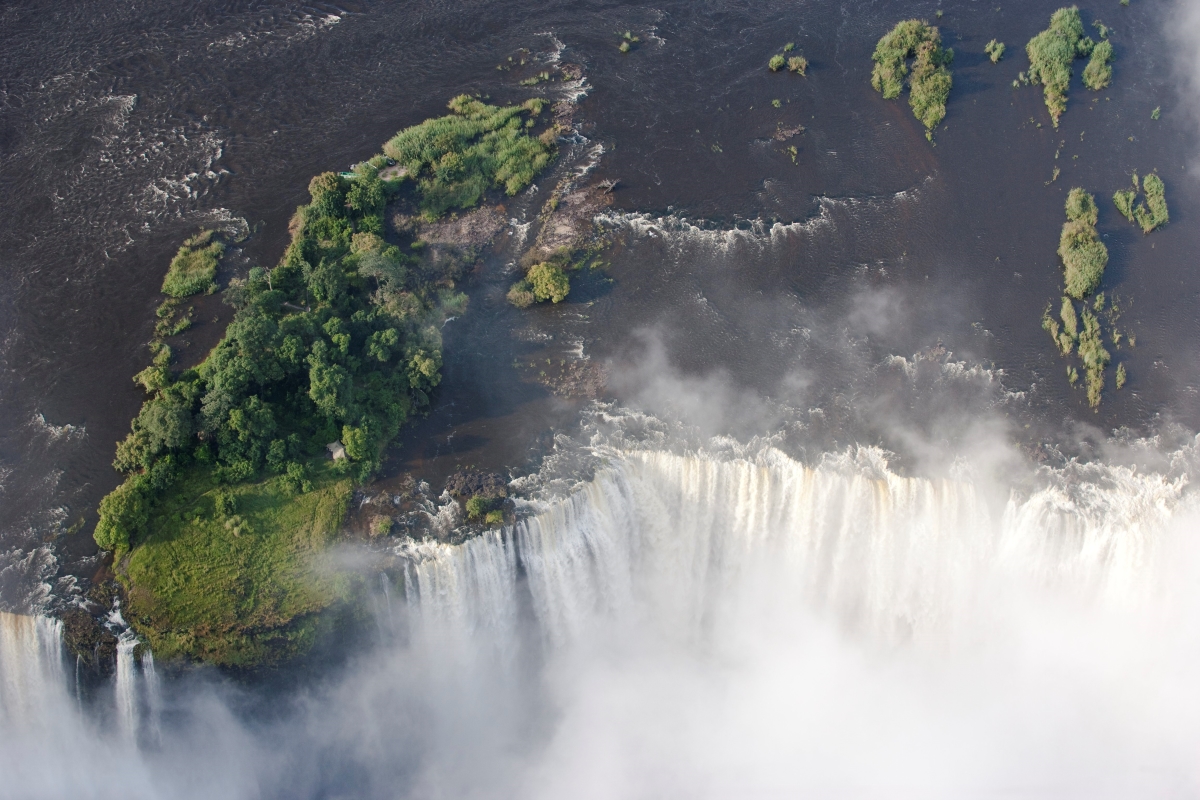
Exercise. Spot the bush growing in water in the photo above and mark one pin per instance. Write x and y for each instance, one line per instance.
(776, 63)
(1156, 200)
(548, 282)
(1098, 72)
(1153, 212)
(929, 82)
(994, 50)
(521, 294)
(1079, 246)
(1051, 53)
(194, 267)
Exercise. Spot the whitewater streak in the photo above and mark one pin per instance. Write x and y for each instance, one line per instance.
(688, 624)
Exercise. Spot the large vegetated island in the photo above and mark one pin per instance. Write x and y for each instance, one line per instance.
(230, 491)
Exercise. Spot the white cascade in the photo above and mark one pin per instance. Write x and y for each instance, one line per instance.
(154, 696)
(670, 537)
(125, 693)
(32, 673)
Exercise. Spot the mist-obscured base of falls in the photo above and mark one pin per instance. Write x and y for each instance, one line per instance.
(703, 624)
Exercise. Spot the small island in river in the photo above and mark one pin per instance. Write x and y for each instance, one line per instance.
(239, 471)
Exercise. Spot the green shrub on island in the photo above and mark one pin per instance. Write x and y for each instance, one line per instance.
(520, 294)
(194, 267)
(548, 282)
(456, 158)
(1083, 254)
(229, 490)
(776, 63)
(994, 50)
(1098, 72)
(929, 82)
(1120, 378)
(1051, 54)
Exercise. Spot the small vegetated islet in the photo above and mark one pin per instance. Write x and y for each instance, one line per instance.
(194, 267)
(1150, 214)
(229, 492)
(1084, 256)
(797, 63)
(1053, 51)
(994, 50)
(929, 79)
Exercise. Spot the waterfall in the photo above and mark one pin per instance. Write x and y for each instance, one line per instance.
(675, 536)
(32, 673)
(153, 694)
(125, 686)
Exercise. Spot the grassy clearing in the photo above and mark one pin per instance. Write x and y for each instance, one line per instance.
(1051, 54)
(226, 574)
(194, 267)
(458, 157)
(929, 80)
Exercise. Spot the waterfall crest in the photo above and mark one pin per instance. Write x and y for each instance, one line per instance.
(672, 536)
(32, 672)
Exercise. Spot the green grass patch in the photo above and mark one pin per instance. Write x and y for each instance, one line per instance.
(227, 574)
(929, 79)
(194, 267)
(458, 157)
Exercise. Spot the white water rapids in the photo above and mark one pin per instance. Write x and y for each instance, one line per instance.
(694, 626)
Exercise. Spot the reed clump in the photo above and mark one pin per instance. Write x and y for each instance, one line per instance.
(929, 80)
(194, 267)
(1098, 72)
(1083, 254)
(1051, 54)
(1149, 214)
(994, 50)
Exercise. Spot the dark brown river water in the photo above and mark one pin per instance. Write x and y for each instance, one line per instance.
(125, 127)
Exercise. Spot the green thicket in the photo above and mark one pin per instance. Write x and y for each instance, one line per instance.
(1098, 72)
(548, 281)
(339, 341)
(1052, 52)
(194, 267)
(929, 81)
(1083, 330)
(1150, 214)
(994, 50)
(1083, 254)
(458, 157)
